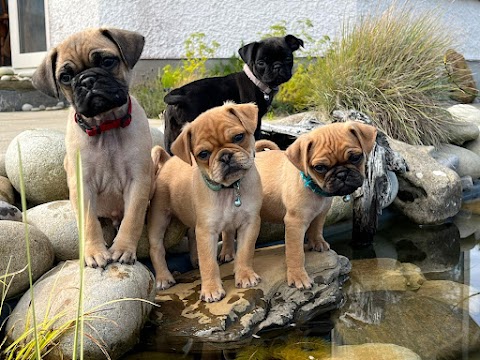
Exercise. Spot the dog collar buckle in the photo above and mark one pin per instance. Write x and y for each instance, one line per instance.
(122, 122)
(217, 187)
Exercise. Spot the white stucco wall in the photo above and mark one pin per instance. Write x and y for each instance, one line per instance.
(167, 23)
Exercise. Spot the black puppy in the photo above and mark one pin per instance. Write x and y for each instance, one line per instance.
(268, 63)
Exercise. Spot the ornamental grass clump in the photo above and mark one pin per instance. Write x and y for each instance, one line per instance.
(391, 68)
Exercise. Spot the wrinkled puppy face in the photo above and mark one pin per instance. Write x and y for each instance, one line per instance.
(221, 141)
(91, 68)
(334, 155)
(271, 60)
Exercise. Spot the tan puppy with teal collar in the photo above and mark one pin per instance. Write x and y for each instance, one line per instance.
(298, 185)
(211, 185)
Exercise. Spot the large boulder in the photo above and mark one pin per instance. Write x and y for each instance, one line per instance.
(43, 152)
(57, 221)
(429, 193)
(461, 77)
(113, 301)
(271, 304)
(13, 254)
(468, 162)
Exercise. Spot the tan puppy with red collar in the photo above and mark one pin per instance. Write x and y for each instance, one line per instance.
(109, 128)
(220, 191)
(298, 186)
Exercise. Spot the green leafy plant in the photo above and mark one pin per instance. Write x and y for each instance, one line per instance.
(391, 68)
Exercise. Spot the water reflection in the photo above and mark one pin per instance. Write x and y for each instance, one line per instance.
(414, 287)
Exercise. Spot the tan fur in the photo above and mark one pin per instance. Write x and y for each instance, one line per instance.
(263, 145)
(287, 200)
(182, 192)
(117, 167)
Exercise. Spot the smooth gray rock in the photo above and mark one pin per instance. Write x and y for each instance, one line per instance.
(429, 193)
(9, 212)
(460, 132)
(183, 316)
(57, 221)
(13, 250)
(5, 70)
(43, 152)
(112, 301)
(463, 112)
(27, 107)
(468, 164)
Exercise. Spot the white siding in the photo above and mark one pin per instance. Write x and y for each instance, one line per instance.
(167, 23)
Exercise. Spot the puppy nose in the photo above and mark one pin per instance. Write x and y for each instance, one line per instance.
(226, 157)
(341, 175)
(87, 82)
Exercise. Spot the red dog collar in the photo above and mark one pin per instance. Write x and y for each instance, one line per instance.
(124, 121)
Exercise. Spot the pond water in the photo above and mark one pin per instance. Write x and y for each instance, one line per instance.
(415, 287)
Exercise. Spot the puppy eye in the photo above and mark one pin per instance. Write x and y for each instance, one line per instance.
(260, 63)
(237, 138)
(321, 169)
(108, 62)
(66, 79)
(355, 158)
(203, 155)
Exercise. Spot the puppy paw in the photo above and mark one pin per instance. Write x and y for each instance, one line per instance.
(212, 293)
(246, 278)
(124, 255)
(226, 257)
(164, 281)
(97, 256)
(299, 278)
(318, 245)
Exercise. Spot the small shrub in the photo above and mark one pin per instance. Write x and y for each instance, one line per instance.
(391, 68)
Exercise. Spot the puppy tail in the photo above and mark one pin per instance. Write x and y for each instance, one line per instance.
(159, 157)
(262, 145)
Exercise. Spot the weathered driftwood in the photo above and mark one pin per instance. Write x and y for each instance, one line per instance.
(380, 185)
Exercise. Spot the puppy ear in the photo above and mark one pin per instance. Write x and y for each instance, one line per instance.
(293, 42)
(129, 43)
(176, 96)
(247, 52)
(366, 134)
(298, 152)
(43, 78)
(182, 146)
(247, 114)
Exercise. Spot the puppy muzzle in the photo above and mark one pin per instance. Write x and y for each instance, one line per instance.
(342, 181)
(96, 91)
(231, 166)
(276, 75)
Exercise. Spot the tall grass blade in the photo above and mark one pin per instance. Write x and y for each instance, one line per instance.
(29, 259)
(79, 321)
